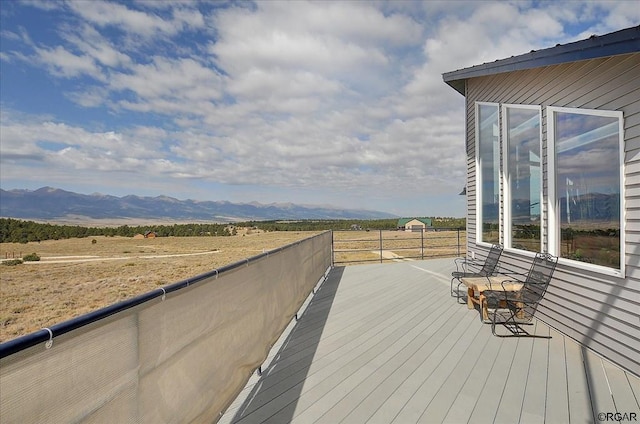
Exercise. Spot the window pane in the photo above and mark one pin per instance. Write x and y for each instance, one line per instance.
(523, 138)
(489, 155)
(588, 187)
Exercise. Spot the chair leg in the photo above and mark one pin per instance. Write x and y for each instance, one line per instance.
(460, 293)
(456, 293)
(493, 322)
(510, 324)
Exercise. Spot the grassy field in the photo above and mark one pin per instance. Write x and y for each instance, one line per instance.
(77, 276)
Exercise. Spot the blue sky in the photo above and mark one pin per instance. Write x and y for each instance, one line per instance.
(324, 103)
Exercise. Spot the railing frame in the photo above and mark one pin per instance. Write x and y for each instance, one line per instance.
(458, 244)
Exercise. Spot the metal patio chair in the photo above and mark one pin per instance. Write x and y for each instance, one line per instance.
(462, 264)
(514, 308)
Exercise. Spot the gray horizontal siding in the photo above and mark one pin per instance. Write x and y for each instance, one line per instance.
(600, 311)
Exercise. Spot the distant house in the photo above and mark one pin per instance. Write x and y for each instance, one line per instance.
(414, 224)
(553, 161)
(150, 234)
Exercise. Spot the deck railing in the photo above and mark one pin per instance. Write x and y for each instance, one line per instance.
(181, 353)
(365, 246)
(149, 359)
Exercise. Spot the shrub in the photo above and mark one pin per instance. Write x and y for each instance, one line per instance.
(94, 241)
(32, 257)
(12, 262)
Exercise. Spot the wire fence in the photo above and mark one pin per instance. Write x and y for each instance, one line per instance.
(366, 246)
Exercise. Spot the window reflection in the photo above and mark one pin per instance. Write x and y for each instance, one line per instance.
(588, 187)
(489, 157)
(523, 139)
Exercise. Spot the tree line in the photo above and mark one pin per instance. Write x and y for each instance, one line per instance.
(345, 224)
(19, 231)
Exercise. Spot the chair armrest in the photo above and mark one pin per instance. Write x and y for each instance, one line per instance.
(522, 274)
(510, 281)
(463, 263)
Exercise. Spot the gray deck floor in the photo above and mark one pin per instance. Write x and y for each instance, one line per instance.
(386, 343)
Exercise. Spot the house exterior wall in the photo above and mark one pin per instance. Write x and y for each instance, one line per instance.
(600, 311)
(409, 226)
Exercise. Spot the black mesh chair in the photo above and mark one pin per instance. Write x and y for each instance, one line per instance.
(488, 268)
(513, 308)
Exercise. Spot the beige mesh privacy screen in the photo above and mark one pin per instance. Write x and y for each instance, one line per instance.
(181, 359)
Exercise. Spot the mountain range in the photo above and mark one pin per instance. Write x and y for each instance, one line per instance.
(48, 203)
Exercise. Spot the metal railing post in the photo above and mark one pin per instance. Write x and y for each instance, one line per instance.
(422, 233)
(458, 230)
(333, 250)
(380, 245)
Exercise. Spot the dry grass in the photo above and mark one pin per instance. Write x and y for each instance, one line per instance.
(77, 276)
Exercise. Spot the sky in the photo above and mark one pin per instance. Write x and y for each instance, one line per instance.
(315, 103)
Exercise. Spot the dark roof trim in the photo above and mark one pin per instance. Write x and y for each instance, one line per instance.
(612, 44)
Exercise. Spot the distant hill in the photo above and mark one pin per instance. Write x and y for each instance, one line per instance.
(49, 203)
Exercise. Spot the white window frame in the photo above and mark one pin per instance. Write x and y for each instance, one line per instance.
(478, 165)
(506, 179)
(553, 207)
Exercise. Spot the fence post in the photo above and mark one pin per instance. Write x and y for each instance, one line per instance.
(380, 245)
(333, 251)
(458, 241)
(422, 233)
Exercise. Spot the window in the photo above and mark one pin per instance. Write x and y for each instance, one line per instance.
(585, 196)
(488, 170)
(523, 137)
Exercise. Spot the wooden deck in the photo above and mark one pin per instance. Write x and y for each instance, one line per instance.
(386, 343)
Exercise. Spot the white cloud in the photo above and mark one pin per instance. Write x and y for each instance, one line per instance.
(169, 86)
(40, 4)
(188, 18)
(333, 38)
(90, 42)
(108, 14)
(63, 63)
(75, 148)
(342, 99)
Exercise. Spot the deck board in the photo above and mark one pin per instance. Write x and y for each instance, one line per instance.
(365, 393)
(513, 396)
(557, 397)
(387, 343)
(477, 371)
(422, 363)
(437, 366)
(439, 404)
(580, 409)
(488, 402)
(396, 371)
(601, 398)
(535, 394)
(624, 397)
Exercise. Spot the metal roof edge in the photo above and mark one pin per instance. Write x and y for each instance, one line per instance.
(616, 43)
